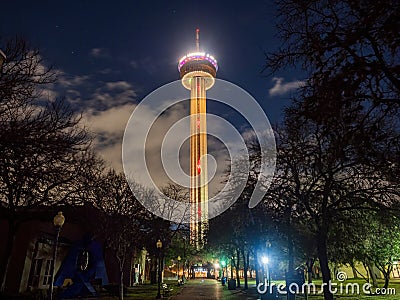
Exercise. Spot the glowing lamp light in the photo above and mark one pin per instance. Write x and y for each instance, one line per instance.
(264, 260)
(59, 219)
(223, 263)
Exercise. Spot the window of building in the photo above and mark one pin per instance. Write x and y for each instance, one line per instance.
(47, 272)
(34, 273)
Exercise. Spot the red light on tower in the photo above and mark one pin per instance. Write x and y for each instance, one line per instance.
(198, 167)
(197, 39)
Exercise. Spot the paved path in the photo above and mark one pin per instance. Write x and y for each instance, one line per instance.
(209, 289)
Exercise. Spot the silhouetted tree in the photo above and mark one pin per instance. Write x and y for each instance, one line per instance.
(124, 223)
(348, 46)
(45, 155)
(342, 132)
(350, 52)
(318, 169)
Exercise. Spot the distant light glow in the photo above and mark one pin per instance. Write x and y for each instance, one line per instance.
(264, 260)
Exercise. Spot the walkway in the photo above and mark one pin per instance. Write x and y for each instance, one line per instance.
(210, 289)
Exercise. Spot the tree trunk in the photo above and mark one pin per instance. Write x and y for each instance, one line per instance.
(232, 263)
(121, 261)
(257, 267)
(121, 284)
(288, 214)
(291, 255)
(355, 274)
(387, 279)
(245, 268)
(5, 261)
(153, 271)
(386, 274)
(372, 274)
(310, 264)
(237, 268)
(132, 271)
(323, 260)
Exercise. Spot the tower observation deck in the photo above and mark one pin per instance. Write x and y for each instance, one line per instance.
(197, 71)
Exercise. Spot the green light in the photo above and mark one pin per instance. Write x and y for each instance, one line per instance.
(223, 263)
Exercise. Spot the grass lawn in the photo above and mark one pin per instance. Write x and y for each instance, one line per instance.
(146, 291)
(392, 293)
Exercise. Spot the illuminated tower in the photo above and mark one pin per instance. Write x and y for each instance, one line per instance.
(198, 72)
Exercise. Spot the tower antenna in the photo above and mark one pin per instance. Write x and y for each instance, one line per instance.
(197, 40)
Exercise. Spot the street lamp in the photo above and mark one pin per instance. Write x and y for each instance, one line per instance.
(58, 222)
(159, 246)
(179, 259)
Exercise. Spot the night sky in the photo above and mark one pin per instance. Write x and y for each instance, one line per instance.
(111, 54)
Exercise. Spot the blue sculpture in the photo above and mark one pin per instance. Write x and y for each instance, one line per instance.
(83, 264)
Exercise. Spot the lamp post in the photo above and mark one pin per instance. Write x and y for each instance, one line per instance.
(159, 246)
(179, 260)
(268, 244)
(265, 261)
(185, 262)
(58, 222)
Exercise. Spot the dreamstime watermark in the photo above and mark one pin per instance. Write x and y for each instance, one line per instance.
(161, 102)
(342, 288)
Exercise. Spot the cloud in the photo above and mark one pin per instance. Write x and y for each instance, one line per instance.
(67, 81)
(98, 52)
(83, 93)
(108, 109)
(281, 88)
(112, 94)
(118, 85)
(177, 144)
(108, 128)
(49, 94)
(105, 106)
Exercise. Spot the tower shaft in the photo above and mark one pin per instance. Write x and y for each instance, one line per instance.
(198, 71)
(198, 162)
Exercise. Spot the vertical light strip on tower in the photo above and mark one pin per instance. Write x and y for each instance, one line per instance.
(198, 71)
